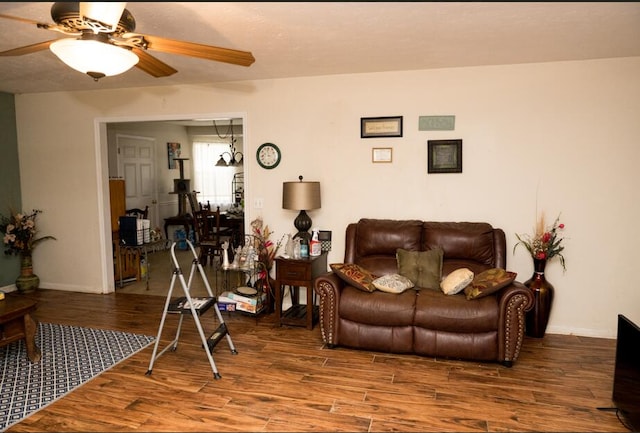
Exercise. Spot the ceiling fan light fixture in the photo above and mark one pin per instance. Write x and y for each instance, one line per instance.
(108, 13)
(94, 57)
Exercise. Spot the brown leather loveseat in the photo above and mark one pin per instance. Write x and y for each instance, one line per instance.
(424, 322)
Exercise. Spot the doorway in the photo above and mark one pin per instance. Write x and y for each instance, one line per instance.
(165, 205)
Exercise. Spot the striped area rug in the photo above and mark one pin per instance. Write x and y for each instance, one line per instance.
(71, 356)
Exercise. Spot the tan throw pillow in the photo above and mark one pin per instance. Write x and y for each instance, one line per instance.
(456, 281)
(423, 268)
(392, 283)
(355, 275)
(488, 282)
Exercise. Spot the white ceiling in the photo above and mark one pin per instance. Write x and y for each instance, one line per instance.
(293, 39)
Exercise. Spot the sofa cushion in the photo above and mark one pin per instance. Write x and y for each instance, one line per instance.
(456, 281)
(488, 282)
(377, 308)
(473, 241)
(355, 275)
(424, 268)
(453, 313)
(393, 283)
(376, 237)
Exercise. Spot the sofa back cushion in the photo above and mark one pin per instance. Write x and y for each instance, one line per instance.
(372, 243)
(464, 243)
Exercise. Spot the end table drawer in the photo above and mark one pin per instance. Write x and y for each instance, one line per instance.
(294, 271)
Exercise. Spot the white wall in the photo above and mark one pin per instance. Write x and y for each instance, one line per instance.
(559, 137)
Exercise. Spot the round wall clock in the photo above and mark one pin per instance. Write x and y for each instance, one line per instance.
(268, 155)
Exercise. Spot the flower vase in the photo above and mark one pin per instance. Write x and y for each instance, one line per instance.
(267, 286)
(538, 317)
(27, 281)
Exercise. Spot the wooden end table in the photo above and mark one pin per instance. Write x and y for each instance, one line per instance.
(16, 323)
(298, 273)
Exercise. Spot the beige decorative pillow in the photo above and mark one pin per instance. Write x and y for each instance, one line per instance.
(393, 283)
(456, 281)
(423, 268)
(355, 275)
(488, 282)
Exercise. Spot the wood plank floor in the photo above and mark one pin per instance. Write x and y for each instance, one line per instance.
(283, 379)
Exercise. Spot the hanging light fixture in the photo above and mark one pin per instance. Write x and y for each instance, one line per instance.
(94, 56)
(235, 158)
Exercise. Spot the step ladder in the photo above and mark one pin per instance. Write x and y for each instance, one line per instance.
(194, 307)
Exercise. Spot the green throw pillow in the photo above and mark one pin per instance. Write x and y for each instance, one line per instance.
(355, 275)
(423, 268)
(488, 282)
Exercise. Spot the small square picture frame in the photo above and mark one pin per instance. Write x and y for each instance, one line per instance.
(444, 156)
(382, 155)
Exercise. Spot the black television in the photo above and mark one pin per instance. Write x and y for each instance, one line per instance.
(626, 376)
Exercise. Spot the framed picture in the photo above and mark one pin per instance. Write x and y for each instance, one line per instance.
(371, 127)
(382, 154)
(173, 152)
(444, 156)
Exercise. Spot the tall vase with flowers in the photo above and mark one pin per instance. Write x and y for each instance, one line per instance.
(545, 244)
(19, 231)
(266, 250)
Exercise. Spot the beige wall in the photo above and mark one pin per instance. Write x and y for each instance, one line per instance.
(559, 137)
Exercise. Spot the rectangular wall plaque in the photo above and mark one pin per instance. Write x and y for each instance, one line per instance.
(380, 127)
(437, 123)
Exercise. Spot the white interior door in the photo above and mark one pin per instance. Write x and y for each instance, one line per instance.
(136, 163)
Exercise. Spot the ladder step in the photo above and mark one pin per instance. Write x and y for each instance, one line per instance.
(181, 305)
(217, 335)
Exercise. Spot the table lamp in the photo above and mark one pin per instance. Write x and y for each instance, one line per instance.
(302, 196)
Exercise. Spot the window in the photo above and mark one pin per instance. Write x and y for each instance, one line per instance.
(213, 183)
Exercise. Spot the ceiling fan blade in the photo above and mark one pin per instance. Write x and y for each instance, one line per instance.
(47, 26)
(24, 20)
(28, 49)
(152, 65)
(208, 52)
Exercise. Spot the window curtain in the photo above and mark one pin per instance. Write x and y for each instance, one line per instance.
(213, 183)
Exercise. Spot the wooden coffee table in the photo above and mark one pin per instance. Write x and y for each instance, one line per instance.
(17, 322)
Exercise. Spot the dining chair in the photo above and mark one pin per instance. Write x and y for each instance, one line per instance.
(210, 235)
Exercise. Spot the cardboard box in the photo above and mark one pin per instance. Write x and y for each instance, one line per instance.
(248, 308)
(224, 297)
(259, 299)
(226, 306)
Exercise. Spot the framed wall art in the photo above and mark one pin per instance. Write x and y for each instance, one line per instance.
(173, 152)
(371, 127)
(382, 154)
(444, 156)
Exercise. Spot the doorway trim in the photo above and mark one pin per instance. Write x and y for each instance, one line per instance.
(102, 178)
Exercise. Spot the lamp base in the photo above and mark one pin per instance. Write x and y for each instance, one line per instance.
(303, 224)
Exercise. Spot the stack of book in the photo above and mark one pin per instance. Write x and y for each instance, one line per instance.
(249, 304)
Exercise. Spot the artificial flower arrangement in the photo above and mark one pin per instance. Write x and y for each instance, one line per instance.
(546, 242)
(19, 231)
(264, 246)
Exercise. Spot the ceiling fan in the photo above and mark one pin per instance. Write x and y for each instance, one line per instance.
(102, 42)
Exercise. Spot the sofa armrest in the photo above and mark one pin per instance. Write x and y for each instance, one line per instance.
(328, 288)
(514, 300)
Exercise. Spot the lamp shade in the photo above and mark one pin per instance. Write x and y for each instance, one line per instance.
(108, 13)
(301, 195)
(94, 57)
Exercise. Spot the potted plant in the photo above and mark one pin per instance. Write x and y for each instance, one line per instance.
(19, 230)
(543, 245)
